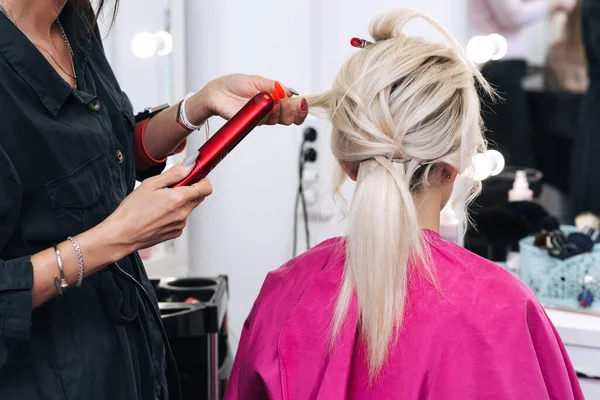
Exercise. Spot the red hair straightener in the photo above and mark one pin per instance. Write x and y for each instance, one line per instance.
(230, 135)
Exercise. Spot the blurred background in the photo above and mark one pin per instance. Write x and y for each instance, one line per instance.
(163, 49)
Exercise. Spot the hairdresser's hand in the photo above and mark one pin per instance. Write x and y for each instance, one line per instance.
(225, 96)
(563, 5)
(152, 214)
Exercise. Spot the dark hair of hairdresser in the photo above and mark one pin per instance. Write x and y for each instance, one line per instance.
(83, 8)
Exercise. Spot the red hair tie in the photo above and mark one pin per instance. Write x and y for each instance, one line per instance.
(359, 43)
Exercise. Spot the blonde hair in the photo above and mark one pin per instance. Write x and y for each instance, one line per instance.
(398, 107)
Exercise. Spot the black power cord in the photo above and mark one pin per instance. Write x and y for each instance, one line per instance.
(300, 198)
(306, 155)
(309, 155)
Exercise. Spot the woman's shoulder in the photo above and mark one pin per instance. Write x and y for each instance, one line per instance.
(309, 263)
(465, 274)
(474, 298)
(316, 271)
(487, 327)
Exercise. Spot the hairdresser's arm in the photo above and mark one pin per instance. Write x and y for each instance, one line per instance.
(224, 96)
(511, 14)
(163, 135)
(148, 216)
(101, 249)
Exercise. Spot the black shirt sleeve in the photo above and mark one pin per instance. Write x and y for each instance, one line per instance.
(16, 275)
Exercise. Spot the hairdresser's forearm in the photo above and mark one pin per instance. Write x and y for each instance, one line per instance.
(163, 134)
(99, 246)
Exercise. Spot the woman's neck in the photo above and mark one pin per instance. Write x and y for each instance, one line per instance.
(429, 204)
(34, 17)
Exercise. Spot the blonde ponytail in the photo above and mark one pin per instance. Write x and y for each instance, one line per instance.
(399, 107)
(382, 232)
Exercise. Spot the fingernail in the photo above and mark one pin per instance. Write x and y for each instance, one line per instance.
(303, 104)
(280, 90)
(190, 160)
(292, 91)
(275, 95)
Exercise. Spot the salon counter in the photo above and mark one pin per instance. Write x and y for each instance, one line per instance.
(580, 333)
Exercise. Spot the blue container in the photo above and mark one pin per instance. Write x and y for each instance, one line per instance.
(559, 281)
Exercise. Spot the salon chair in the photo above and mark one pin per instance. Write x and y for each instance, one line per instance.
(194, 315)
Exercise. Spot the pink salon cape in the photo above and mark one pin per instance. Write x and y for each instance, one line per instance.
(482, 335)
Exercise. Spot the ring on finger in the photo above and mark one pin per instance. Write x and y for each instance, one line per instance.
(199, 195)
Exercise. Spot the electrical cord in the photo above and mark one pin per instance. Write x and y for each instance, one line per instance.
(304, 209)
(306, 155)
(294, 252)
(298, 195)
(301, 198)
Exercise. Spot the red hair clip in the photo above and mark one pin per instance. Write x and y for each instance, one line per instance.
(359, 43)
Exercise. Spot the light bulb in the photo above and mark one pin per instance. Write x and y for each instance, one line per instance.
(480, 49)
(144, 45)
(164, 43)
(499, 44)
(496, 161)
(482, 166)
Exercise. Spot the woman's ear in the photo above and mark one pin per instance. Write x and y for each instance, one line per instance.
(444, 173)
(449, 173)
(350, 168)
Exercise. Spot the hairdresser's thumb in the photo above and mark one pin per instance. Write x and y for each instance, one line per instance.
(174, 175)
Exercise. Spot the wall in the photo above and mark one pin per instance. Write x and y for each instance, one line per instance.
(244, 229)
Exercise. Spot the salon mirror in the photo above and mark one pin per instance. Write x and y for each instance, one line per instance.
(144, 51)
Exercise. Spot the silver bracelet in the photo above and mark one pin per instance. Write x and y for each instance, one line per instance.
(183, 116)
(62, 284)
(79, 260)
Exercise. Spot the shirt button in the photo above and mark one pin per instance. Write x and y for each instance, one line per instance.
(94, 105)
(120, 156)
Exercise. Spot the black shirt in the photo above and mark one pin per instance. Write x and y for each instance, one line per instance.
(66, 162)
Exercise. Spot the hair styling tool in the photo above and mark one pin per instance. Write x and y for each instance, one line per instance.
(230, 135)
